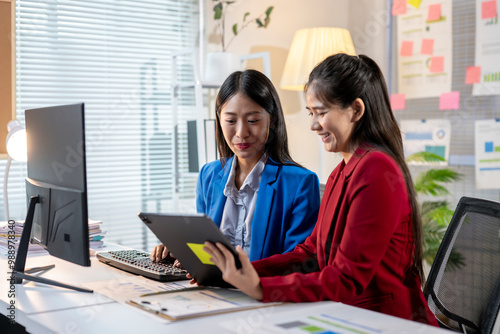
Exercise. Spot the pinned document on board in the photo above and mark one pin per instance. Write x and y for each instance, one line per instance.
(425, 49)
(487, 154)
(487, 81)
(427, 135)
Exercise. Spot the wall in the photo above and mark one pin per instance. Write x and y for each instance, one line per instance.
(367, 27)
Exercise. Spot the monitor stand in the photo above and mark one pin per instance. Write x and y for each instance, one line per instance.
(19, 273)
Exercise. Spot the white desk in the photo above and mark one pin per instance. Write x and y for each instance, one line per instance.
(47, 309)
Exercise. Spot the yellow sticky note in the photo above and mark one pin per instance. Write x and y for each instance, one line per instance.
(415, 3)
(203, 256)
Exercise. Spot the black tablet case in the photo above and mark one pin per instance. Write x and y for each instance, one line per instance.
(175, 231)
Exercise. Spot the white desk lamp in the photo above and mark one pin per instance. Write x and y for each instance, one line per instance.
(16, 149)
(309, 47)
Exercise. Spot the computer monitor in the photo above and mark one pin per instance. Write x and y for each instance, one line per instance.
(56, 187)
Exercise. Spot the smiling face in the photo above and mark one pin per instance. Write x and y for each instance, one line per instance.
(245, 126)
(334, 124)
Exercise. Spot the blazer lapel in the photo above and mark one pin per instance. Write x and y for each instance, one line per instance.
(262, 215)
(219, 199)
(331, 200)
(334, 201)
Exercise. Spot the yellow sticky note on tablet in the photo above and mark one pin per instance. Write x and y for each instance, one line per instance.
(203, 256)
(415, 3)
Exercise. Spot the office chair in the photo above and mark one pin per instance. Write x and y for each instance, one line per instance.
(463, 287)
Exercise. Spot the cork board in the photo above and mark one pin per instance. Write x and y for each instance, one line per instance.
(7, 69)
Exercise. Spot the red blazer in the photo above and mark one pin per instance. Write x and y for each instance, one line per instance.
(366, 205)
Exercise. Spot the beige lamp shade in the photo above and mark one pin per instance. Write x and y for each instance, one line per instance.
(309, 47)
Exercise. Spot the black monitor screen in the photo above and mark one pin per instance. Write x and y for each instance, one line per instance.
(57, 173)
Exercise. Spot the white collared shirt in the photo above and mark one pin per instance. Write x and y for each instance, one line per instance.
(239, 209)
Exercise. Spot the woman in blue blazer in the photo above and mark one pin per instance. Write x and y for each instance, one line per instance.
(260, 198)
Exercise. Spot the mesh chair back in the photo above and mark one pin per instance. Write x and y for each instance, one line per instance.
(463, 288)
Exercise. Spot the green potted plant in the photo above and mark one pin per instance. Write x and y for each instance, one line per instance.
(220, 9)
(435, 212)
(220, 64)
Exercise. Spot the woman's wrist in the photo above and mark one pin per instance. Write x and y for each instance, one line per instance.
(256, 292)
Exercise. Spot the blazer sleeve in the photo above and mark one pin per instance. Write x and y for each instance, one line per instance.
(305, 212)
(375, 202)
(301, 259)
(201, 191)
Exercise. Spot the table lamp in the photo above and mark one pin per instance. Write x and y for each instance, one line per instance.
(309, 47)
(16, 149)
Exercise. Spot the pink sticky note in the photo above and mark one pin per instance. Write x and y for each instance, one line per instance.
(473, 75)
(398, 101)
(449, 101)
(489, 9)
(406, 49)
(399, 7)
(437, 64)
(427, 46)
(434, 13)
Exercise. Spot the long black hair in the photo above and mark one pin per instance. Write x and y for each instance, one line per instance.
(340, 79)
(259, 89)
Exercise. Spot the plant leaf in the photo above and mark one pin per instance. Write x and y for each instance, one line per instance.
(268, 11)
(218, 11)
(455, 261)
(444, 175)
(433, 234)
(424, 157)
(266, 21)
(441, 215)
(245, 16)
(259, 23)
(235, 29)
(427, 209)
(429, 182)
(428, 206)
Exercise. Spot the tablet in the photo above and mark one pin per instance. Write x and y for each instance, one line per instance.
(184, 236)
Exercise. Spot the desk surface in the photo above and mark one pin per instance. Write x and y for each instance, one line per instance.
(46, 309)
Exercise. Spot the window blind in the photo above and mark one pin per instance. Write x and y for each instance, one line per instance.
(114, 56)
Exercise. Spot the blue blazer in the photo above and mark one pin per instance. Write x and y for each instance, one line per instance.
(286, 209)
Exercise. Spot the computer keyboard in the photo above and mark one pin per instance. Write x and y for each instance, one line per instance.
(139, 263)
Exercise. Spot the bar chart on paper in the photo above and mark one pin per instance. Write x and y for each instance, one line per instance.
(427, 135)
(320, 318)
(487, 153)
(322, 323)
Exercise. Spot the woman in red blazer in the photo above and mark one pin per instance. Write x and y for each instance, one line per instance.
(366, 247)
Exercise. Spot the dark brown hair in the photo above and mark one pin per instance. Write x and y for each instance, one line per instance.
(260, 89)
(340, 79)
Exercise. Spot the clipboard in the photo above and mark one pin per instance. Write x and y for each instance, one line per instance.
(184, 236)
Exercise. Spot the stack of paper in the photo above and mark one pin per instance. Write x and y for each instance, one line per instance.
(11, 231)
(96, 234)
(10, 234)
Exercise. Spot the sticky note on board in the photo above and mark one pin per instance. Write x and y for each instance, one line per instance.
(434, 12)
(489, 9)
(415, 3)
(473, 75)
(399, 7)
(406, 49)
(203, 256)
(437, 64)
(398, 101)
(449, 101)
(427, 46)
